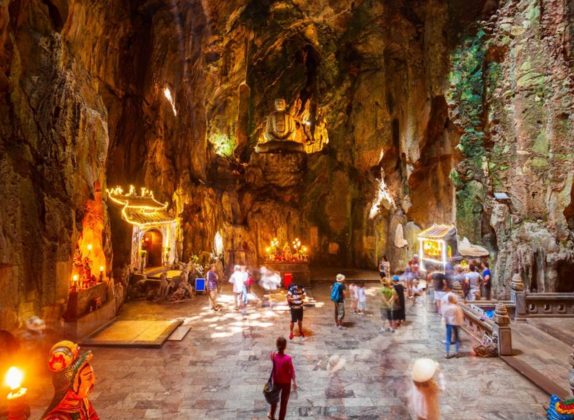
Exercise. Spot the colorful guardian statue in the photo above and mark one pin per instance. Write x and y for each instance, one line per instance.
(73, 380)
(281, 132)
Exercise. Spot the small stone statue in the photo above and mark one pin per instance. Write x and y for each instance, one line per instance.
(73, 380)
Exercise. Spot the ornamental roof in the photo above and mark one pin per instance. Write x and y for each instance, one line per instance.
(140, 209)
(438, 232)
(136, 216)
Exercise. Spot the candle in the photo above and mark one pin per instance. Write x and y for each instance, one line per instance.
(18, 409)
(89, 248)
(75, 278)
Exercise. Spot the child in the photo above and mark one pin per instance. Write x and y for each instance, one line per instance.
(388, 299)
(361, 298)
(353, 292)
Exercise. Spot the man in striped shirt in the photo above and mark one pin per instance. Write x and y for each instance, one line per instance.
(295, 297)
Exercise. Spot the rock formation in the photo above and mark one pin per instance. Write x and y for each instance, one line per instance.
(429, 107)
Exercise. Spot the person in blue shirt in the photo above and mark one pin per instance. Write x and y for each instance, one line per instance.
(486, 280)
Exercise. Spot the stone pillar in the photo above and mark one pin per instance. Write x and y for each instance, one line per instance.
(518, 296)
(502, 330)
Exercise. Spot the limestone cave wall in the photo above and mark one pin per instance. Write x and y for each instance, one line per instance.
(430, 106)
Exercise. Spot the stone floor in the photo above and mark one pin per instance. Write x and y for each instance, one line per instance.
(218, 370)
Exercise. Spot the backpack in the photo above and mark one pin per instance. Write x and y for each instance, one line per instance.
(336, 292)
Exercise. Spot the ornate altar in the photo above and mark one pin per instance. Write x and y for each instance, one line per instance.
(290, 260)
(437, 245)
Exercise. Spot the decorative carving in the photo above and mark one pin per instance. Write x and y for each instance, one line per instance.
(501, 314)
(517, 283)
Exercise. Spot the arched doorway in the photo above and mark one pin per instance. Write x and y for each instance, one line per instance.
(152, 243)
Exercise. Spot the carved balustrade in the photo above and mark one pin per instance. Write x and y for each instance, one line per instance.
(551, 305)
(483, 329)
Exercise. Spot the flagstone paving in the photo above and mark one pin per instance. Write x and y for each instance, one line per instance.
(218, 370)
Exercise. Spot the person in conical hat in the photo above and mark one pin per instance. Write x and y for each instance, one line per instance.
(424, 398)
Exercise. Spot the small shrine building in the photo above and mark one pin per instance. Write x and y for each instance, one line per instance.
(154, 230)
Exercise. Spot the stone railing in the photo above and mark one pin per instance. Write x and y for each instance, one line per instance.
(555, 305)
(481, 327)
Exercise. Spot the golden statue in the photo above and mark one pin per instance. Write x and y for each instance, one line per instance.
(73, 380)
(281, 131)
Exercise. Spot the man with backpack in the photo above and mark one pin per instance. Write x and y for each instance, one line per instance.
(338, 298)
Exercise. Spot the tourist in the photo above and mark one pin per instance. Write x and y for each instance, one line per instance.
(473, 280)
(409, 278)
(295, 298)
(458, 277)
(453, 318)
(399, 315)
(424, 398)
(486, 280)
(439, 283)
(388, 299)
(415, 266)
(361, 298)
(238, 281)
(353, 295)
(384, 267)
(283, 375)
(212, 287)
(338, 298)
(249, 282)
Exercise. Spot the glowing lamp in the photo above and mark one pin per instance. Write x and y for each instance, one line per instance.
(101, 268)
(89, 247)
(13, 380)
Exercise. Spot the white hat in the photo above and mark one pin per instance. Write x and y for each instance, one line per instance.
(424, 370)
(340, 277)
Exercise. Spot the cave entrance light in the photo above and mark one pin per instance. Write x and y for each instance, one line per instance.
(170, 99)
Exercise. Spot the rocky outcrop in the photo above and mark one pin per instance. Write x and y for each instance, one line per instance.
(512, 97)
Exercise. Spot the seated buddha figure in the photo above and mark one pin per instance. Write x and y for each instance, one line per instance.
(280, 131)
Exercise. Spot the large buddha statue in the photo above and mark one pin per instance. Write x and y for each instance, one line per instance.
(281, 131)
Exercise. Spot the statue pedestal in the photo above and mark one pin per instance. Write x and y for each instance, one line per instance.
(280, 147)
(282, 170)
